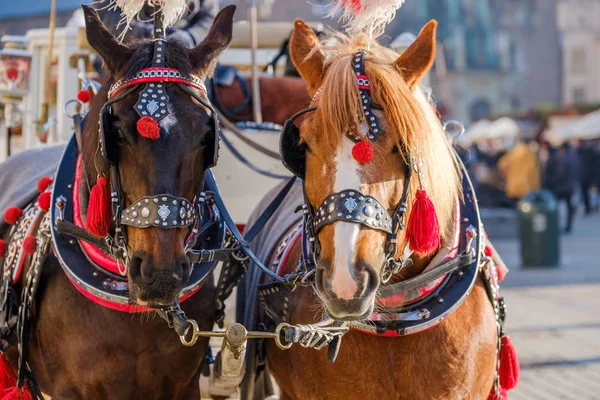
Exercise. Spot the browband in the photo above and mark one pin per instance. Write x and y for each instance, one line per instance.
(157, 75)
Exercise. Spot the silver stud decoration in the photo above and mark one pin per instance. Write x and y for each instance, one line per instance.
(163, 212)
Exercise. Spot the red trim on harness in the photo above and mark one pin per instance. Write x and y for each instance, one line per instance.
(398, 299)
(128, 308)
(288, 250)
(159, 79)
(95, 254)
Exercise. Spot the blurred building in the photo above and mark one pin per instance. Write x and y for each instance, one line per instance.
(499, 55)
(579, 23)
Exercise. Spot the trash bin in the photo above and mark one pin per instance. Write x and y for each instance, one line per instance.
(539, 234)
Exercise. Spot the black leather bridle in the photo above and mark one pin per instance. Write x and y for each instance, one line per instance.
(164, 211)
(348, 205)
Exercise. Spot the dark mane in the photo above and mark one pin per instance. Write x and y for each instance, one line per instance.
(177, 56)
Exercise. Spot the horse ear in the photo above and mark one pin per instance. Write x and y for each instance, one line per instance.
(113, 53)
(204, 56)
(416, 61)
(308, 63)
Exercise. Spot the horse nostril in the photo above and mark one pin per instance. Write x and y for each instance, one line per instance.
(182, 269)
(135, 265)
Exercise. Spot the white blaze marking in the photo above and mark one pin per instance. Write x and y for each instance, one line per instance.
(168, 121)
(345, 233)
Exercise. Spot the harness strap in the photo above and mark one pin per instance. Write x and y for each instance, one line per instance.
(455, 264)
(243, 244)
(269, 211)
(67, 228)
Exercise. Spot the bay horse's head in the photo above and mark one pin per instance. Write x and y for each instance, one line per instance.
(370, 97)
(170, 159)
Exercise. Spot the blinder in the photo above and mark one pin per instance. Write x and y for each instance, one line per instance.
(293, 154)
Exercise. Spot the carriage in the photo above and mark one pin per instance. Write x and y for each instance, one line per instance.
(136, 223)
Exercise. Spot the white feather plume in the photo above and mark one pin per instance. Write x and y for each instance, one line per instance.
(171, 10)
(370, 16)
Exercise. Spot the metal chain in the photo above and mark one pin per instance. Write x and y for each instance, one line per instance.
(285, 335)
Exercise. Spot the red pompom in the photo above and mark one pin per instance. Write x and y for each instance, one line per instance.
(43, 183)
(99, 213)
(2, 250)
(423, 229)
(29, 245)
(44, 201)
(363, 152)
(12, 215)
(509, 364)
(502, 396)
(16, 393)
(488, 251)
(8, 378)
(148, 128)
(84, 96)
(501, 272)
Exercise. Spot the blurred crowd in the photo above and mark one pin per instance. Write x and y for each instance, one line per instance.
(571, 172)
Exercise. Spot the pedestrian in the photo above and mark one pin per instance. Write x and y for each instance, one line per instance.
(561, 177)
(589, 172)
(520, 170)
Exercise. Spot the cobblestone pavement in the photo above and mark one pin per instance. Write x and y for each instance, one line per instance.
(554, 318)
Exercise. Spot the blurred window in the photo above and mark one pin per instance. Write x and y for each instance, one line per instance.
(579, 95)
(578, 61)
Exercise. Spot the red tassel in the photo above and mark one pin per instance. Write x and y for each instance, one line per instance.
(8, 378)
(43, 183)
(363, 152)
(99, 212)
(29, 245)
(16, 393)
(423, 230)
(509, 364)
(488, 251)
(44, 201)
(503, 395)
(12, 215)
(84, 96)
(148, 128)
(501, 272)
(2, 249)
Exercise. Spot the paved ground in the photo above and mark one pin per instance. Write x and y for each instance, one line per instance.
(554, 318)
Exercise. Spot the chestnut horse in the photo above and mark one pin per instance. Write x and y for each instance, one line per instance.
(449, 356)
(83, 350)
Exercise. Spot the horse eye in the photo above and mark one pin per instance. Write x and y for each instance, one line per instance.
(121, 138)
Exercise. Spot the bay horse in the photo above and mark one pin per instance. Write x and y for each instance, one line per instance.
(146, 145)
(421, 303)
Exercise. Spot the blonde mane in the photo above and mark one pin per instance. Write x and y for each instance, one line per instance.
(408, 115)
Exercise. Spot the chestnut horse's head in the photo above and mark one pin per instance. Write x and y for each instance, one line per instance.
(352, 255)
(173, 163)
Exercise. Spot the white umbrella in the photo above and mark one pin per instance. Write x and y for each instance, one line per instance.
(503, 128)
(586, 127)
(475, 132)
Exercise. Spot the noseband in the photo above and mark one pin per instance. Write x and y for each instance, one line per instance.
(347, 205)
